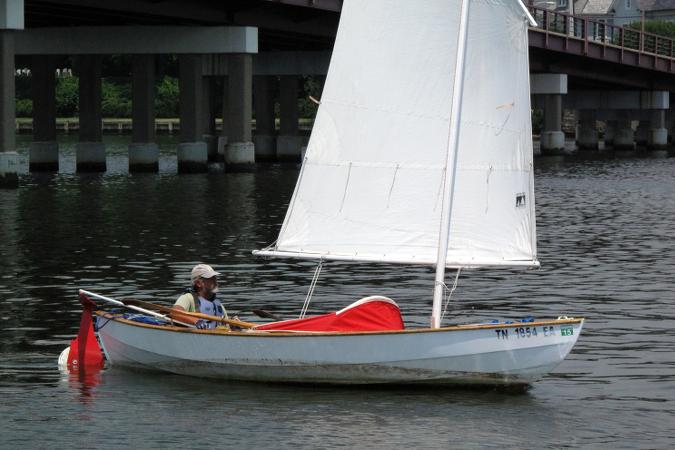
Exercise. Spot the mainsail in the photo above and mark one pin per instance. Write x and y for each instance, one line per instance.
(372, 184)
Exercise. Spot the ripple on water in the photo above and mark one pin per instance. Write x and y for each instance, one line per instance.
(605, 240)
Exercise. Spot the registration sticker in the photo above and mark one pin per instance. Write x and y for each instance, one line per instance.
(566, 330)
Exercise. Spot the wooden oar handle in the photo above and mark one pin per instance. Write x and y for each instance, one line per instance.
(177, 312)
(236, 323)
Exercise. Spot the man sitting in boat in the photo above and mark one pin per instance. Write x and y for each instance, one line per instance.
(201, 298)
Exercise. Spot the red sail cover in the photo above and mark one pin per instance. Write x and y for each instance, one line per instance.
(368, 314)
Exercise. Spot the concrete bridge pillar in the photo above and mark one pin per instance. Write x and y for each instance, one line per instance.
(658, 133)
(552, 138)
(642, 133)
(289, 142)
(610, 130)
(192, 150)
(43, 151)
(143, 151)
(588, 133)
(209, 120)
(240, 148)
(264, 139)
(225, 129)
(624, 137)
(90, 151)
(9, 159)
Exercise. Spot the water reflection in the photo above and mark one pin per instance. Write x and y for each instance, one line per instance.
(84, 382)
(605, 239)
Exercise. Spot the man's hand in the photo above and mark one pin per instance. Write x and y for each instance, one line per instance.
(202, 324)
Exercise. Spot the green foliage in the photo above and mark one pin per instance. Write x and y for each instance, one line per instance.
(651, 44)
(660, 27)
(24, 107)
(537, 121)
(167, 99)
(67, 96)
(115, 99)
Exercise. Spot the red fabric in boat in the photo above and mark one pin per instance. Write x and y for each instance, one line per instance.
(373, 315)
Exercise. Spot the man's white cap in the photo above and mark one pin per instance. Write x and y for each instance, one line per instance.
(202, 271)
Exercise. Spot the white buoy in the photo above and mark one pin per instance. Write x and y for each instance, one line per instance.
(63, 358)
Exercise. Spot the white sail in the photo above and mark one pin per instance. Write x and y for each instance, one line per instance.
(372, 183)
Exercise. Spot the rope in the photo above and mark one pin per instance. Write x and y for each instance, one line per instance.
(448, 292)
(312, 286)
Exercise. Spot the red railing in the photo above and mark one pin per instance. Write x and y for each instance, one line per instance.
(602, 33)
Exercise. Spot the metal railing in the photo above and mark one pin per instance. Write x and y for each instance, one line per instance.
(595, 31)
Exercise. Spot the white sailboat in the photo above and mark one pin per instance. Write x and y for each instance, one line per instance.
(421, 153)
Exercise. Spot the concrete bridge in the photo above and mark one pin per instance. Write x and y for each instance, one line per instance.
(260, 47)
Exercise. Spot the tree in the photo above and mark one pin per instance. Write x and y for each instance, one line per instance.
(24, 107)
(167, 100)
(67, 96)
(115, 98)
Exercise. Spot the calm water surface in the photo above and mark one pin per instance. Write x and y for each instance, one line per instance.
(606, 239)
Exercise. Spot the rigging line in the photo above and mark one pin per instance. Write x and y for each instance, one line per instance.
(272, 246)
(344, 195)
(310, 293)
(487, 190)
(449, 292)
(391, 189)
(440, 188)
(502, 127)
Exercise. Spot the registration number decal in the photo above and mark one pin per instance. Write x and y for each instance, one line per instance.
(566, 331)
(529, 332)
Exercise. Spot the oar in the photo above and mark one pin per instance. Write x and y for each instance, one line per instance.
(266, 315)
(135, 308)
(166, 309)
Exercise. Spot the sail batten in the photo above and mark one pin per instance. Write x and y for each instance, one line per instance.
(371, 185)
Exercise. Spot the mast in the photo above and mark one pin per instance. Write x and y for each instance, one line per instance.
(451, 161)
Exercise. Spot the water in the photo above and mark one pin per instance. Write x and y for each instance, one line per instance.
(606, 242)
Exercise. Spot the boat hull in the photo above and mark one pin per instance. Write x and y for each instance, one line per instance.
(482, 354)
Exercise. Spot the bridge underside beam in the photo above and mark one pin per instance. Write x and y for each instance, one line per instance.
(272, 63)
(609, 100)
(135, 40)
(592, 73)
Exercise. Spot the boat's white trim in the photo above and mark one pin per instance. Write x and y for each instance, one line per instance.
(372, 298)
(467, 264)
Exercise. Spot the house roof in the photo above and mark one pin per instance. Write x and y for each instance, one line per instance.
(594, 7)
(656, 5)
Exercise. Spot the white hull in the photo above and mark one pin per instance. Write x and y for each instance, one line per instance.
(481, 354)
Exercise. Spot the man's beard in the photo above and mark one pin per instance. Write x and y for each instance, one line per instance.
(211, 293)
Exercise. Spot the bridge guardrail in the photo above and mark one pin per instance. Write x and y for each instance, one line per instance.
(595, 31)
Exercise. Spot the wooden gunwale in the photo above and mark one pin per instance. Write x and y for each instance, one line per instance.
(266, 333)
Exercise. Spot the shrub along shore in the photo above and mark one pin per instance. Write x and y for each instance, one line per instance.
(67, 125)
